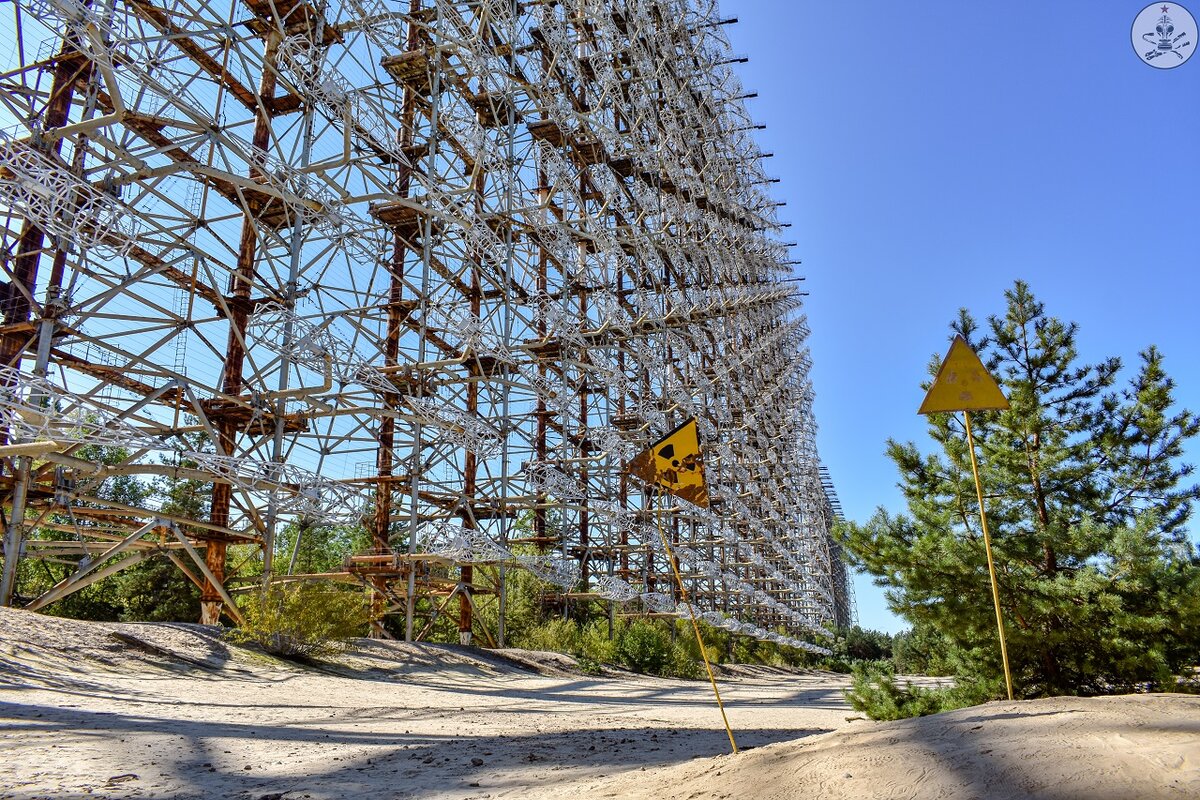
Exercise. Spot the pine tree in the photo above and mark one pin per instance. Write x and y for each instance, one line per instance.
(1087, 503)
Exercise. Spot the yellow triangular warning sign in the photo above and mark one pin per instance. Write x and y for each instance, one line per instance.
(963, 384)
(675, 464)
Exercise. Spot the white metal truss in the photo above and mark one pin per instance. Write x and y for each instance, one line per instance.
(438, 269)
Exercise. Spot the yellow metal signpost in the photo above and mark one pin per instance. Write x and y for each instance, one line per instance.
(675, 465)
(963, 384)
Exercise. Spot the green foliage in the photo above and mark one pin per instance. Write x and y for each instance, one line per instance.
(645, 647)
(96, 602)
(537, 618)
(595, 645)
(923, 650)
(185, 497)
(302, 620)
(1087, 503)
(524, 609)
(156, 591)
(555, 635)
(153, 590)
(876, 694)
(847, 647)
(680, 663)
(747, 650)
(642, 645)
(318, 548)
(715, 643)
(861, 644)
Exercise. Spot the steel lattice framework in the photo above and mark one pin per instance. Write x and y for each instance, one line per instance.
(438, 269)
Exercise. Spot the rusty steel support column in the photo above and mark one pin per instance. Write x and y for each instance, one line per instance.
(384, 457)
(584, 452)
(541, 411)
(235, 354)
(471, 458)
(70, 67)
(397, 313)
(466, 576)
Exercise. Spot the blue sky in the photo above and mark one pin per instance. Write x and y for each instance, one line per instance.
(930, 154)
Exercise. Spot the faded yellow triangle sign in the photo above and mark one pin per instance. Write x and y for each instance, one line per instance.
(675, 464)
(963, 384)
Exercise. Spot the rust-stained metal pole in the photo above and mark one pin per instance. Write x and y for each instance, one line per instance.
(70, 67)
(397, 313)
(232, 383)
(471, 458)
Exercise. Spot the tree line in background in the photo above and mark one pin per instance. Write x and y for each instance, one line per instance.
(154, 590)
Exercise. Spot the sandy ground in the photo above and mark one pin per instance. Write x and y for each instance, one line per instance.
(1139, 747)
(96, 710)
(84, 713)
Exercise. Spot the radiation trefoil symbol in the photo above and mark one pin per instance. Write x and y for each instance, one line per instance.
(675, 464)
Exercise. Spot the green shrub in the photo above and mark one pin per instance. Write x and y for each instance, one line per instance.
(681, 664)
(746, 650)
(922, 650)
(596, 646)
(644, 647)
(876, 694)
(848, 646)
(302, 620)
(556, 635)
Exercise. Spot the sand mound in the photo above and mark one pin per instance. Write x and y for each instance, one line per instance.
(1131, 747)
